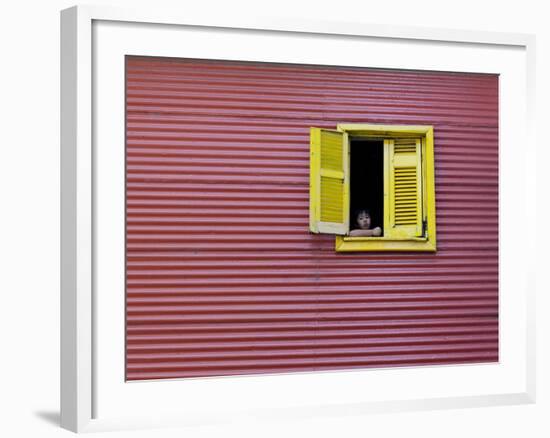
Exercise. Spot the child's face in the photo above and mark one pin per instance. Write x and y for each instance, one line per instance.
(363, 220)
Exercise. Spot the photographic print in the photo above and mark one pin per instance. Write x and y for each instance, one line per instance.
(285, 218)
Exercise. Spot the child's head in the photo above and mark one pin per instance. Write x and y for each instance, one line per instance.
(363, 219)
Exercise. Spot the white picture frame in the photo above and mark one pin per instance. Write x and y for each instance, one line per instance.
(93, 395)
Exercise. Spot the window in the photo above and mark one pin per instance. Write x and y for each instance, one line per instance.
(387, 169)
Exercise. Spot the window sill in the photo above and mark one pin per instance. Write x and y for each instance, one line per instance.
(357, 244)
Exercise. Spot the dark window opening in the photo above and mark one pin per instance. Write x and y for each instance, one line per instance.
(367, 181)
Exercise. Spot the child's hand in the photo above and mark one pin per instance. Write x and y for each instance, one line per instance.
(377, 231)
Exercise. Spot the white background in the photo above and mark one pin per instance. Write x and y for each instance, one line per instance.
(29, 223)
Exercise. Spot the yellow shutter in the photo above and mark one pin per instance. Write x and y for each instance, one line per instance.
(329, 182)
(405, 213)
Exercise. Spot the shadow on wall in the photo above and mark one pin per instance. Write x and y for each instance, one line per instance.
(51, 417)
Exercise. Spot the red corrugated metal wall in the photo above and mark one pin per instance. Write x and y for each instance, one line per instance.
(223, 276)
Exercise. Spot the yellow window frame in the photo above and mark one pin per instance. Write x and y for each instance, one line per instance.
(427, 242)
